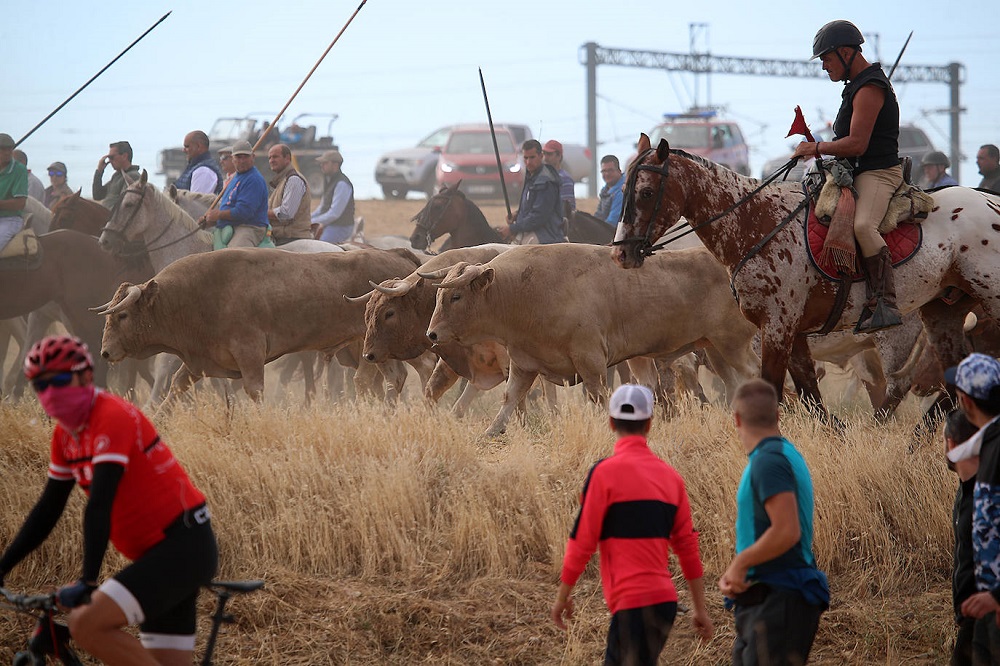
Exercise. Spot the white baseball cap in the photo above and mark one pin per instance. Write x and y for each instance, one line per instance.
(631, 402)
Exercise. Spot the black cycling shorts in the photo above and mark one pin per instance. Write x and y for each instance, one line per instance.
(165, 581)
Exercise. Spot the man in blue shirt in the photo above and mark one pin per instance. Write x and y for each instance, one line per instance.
(778, 592)
(244, 203)
(609, 206)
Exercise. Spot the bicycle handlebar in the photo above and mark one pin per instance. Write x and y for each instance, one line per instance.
(26, 602)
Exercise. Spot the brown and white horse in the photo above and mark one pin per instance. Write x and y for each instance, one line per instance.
(758, 235)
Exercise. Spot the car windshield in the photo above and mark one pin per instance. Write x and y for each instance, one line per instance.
(227, 130)
(681, 135)
(436, 139)
(911, 139)
(478, 143)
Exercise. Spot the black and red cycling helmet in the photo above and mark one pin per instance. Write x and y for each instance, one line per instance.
(57, 353)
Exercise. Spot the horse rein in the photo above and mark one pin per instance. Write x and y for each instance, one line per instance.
(647, 248)
(428, 229)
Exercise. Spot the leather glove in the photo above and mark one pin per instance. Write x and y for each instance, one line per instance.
(77, 594)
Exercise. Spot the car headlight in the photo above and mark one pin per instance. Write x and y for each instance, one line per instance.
(447, 167)
(514, 168)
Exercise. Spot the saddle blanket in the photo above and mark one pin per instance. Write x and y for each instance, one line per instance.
(903, 242)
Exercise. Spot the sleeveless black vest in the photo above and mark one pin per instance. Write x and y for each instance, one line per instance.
(883, 147)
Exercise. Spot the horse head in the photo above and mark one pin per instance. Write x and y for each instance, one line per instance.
(435, 218)
(83, 215)
(650, 205)
(130, 217)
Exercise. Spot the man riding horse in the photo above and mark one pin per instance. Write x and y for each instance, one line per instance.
(866, 133)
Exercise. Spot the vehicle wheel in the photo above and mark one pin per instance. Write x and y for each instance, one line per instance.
(393, 193)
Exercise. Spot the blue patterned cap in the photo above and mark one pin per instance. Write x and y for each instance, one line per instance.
(977, 376)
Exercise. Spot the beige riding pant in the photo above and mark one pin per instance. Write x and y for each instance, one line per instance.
(875, 189)
(247, 235)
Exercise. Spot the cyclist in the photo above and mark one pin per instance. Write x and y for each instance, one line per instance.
(139, 497)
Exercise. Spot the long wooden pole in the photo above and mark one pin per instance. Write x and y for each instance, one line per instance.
(80, 89)
(496, 148)
(274, 123)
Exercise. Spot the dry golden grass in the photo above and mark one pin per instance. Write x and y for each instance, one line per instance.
(398, 536)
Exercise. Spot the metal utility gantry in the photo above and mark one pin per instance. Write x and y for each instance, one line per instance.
(592, 55)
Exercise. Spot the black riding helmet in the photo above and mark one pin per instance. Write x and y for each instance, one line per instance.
(835, 34)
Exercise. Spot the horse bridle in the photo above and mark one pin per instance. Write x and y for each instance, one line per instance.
(646, 246)
(428, 229)
(145, 249)
(629, 210)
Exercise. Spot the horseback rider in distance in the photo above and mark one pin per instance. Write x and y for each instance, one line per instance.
(866, 133)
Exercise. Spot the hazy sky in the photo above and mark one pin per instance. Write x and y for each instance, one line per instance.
(404, 68)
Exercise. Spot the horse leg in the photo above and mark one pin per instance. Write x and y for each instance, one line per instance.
(775, 341)
(803, 371)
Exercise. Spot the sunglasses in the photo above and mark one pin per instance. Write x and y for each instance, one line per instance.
(57, 173)
(60, 380)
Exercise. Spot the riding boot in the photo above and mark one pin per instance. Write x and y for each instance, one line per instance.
(880, 310)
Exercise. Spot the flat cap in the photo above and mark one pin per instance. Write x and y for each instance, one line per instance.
(331, 156)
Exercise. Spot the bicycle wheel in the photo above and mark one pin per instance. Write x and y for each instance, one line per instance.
(27, 659)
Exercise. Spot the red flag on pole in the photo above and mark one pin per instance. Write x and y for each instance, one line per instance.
(799, 126)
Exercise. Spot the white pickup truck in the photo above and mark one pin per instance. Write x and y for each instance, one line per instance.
(412, 169)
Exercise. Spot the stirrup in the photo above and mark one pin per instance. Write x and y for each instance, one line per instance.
(879, 318)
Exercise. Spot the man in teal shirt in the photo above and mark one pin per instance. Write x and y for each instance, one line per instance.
(773, 582)
(13, 191)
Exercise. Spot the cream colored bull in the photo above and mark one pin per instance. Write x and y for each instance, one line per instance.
(566, 313)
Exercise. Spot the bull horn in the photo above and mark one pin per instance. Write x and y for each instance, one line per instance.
(401, 287)
(469, 274)
(363, 298)
(971, 321)
(131, 297)
(99, 308)
(434, 275)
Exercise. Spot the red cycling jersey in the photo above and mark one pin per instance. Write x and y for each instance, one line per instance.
(154, 490)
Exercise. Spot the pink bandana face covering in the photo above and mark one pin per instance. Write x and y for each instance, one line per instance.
(69, 405)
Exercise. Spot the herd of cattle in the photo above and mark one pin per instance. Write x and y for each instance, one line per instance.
(487, 314)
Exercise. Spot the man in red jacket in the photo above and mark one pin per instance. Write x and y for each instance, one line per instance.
(634, 507)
